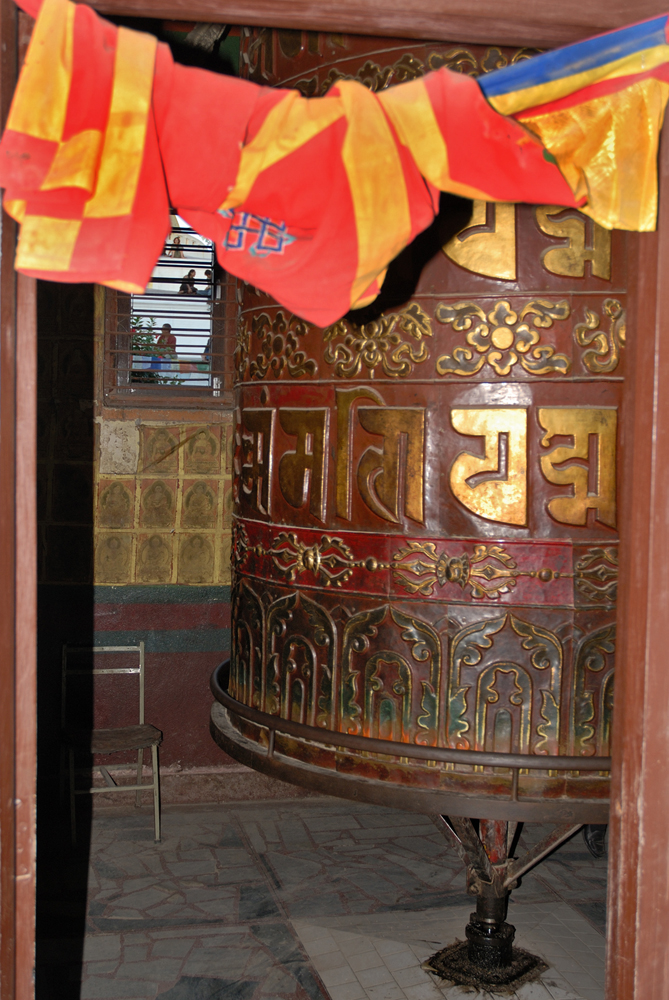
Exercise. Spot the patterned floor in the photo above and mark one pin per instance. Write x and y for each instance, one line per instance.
(297, 900)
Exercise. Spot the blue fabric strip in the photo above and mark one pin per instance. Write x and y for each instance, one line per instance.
(577, 58)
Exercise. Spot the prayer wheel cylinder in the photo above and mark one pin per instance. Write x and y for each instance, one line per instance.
(425, 524)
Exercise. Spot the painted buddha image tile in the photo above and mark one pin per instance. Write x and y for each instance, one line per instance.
(113, 558)
(227, 445)
(202, 450)
(196, 558)
(157, 505)
(160, 451)
(116, 503)
(153, 563)
(199, 503)
(225, 569)
(226, 487)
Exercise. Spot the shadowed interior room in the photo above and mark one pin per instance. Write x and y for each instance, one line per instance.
(339, 601)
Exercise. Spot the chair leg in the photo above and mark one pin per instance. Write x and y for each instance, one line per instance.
(140, 764)
(156, 791)
(73, 815)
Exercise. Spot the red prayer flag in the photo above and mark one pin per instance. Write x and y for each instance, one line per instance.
(306, 198)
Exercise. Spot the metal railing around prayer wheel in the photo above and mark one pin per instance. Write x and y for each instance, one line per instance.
(424, 533)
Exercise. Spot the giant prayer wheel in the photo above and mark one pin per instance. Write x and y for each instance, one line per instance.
(425, 523)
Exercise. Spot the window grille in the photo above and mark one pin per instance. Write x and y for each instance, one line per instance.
(176, 341)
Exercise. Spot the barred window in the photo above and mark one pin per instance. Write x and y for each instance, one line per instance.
(176, 341)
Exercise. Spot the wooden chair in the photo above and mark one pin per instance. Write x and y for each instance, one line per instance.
(138, 737)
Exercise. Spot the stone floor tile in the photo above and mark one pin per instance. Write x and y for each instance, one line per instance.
(159, 969)
(396, 891)
(140, 900)
(323, 945)
(337, 977)
(399, 959)
(352, 944)
(331, 960)
(388, 991)
(374, 977)
(294, 834)
(581, 980)
(533, 991)
(205, 988)
(102, 946)
(255, 837)
(171, 948)
(97, 988)
(366, 960)
(101, 968)
(278, 982)
(425, 991)
(135, 953)
(310, 932)
(326, 824)
(413, 976)
(347, 991)
(389, 947)
(228, 963)
(181, 868)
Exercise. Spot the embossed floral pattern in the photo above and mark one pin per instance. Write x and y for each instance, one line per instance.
(380, 343)
(503, 338)
(279, 347)
(488, 572)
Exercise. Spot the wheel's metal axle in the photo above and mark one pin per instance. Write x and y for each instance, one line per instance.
(491, 875)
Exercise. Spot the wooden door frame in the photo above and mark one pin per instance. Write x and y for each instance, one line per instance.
(513, 22)
(638, 962)
(18, 587)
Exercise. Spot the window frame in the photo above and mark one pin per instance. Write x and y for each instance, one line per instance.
(122, 392)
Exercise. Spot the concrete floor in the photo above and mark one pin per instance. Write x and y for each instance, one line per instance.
(300, 900)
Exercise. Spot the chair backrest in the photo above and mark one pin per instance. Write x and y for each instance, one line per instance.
(75, 652)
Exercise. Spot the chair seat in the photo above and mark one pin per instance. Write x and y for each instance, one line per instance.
(115, 740)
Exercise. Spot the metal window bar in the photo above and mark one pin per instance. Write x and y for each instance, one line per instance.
(179, 336)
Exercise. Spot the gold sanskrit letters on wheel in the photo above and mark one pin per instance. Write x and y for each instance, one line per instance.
(488, 244)
(392, 477)
(494, 487)
(604, 347)
(346, 399)
(256, 447)
(588, 466)
(303, 472)
(569, 258)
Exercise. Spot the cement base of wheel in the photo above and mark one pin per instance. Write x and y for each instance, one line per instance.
(452, 964)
